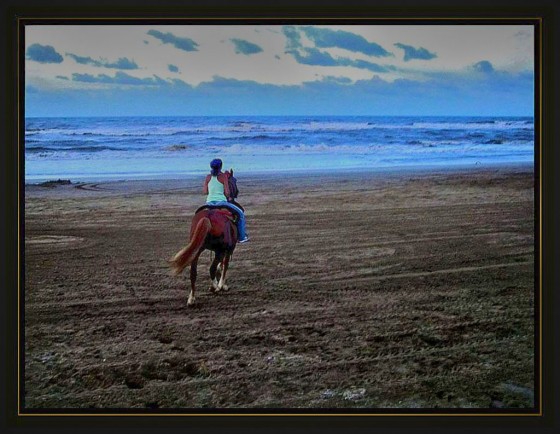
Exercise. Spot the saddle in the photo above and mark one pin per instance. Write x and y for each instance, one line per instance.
(231, 213)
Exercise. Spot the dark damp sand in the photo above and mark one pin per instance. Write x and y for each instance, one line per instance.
(380, 290)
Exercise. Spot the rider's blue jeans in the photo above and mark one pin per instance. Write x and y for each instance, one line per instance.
(240, 223)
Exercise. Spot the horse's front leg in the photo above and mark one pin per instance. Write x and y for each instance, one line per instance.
(190, 300)
(213, 271)
(222, 284)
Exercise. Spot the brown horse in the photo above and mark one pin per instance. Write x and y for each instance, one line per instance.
(213, 229)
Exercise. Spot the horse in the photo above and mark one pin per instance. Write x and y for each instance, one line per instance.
(211, 229)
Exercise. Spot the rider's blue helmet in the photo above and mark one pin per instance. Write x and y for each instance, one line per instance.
(216, 166)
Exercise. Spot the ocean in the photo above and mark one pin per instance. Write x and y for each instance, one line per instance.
(124, 148)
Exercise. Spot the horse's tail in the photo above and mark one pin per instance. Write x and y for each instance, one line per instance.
(186, 255)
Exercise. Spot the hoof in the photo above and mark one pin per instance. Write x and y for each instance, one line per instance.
(225, 288)
(190, 301)
(215, 285)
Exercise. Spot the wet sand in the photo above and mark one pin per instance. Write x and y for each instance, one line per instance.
(364, 290)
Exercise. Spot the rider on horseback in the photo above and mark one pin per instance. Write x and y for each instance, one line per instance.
(216, 187)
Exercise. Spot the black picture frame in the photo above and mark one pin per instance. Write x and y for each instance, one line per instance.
(545, 11)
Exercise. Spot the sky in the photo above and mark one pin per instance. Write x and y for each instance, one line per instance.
(184, 70)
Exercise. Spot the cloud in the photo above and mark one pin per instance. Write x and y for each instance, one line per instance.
(43, 54)
(327, 38)
(180, 83)
(411, 52)
(84, 60)
(315, 57)
(483, 66)
(449, 93)
(121, 63)
(218, 85)
(185, 44)
(337, 80)
(293, 38)
(62, 77)
(120, 78)
(374, 67)
(245, 47)
(440, 94)
(173, 68)
(88, 78)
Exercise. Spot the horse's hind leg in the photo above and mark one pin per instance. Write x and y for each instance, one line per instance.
(190, 300)
(222, 284)
(213, 271)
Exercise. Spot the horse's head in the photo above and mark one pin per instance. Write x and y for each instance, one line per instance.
(232, 184)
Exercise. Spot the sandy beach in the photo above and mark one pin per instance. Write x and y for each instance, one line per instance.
(358, 290)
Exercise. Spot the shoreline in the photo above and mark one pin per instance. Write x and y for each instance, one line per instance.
(392, 171)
